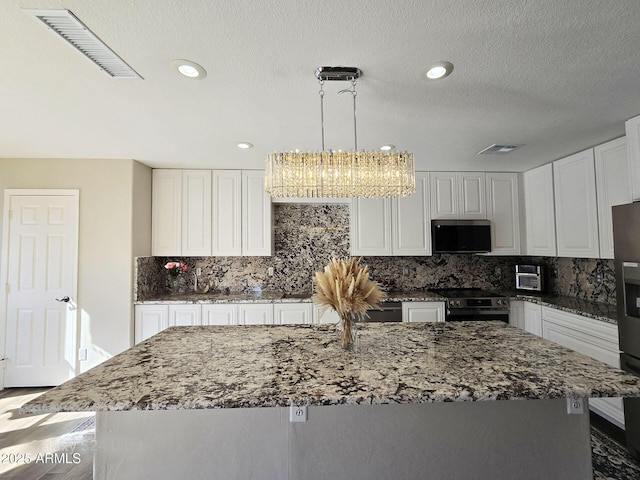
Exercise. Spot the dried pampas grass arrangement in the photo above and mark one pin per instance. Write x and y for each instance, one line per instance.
(344, 286)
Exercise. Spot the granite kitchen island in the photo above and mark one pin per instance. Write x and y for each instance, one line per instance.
(412, 401)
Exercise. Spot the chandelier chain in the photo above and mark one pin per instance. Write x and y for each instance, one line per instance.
(321, 93)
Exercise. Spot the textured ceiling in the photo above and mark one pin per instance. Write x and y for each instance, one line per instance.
(557, 76)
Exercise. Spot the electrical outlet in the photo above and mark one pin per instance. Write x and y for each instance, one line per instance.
(405, 270)
(82, 354)
(198, 271)
(575, 405)
(270, 271)
(297, 414)
(498, 270)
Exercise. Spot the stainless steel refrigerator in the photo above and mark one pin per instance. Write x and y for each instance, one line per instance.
(626, 241)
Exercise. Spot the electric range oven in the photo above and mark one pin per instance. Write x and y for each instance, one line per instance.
(474, 304)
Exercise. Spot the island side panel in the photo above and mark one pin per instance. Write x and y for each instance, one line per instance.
(527, 439)
(220, 444)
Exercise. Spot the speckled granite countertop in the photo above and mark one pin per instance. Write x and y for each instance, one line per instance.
(265, 366)
(276, 297)
(598, 311)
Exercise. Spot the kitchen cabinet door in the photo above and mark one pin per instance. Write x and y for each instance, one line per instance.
(590, 337)
(471, 195)
(613, 185)
(185, 315)
(540, 212)
(293, 313)
(226, 227)
(444, 195)
(411, 232)
(423, 312)
(632, 127)
(166, 213)
(220, 314)
(257, 231)
(458, 195)
(370, 226)
(503, 213)
(255, 314)
(328, 317)
(516, 314)
(574, 185)
(149, 320)
(533, 318)
(196, 213)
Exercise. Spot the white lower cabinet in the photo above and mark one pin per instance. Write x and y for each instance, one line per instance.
(255, 314)
(423, 311)
(329, 316)
(292, 313)
(185, 315)
(149, 320)
(533, 318)
(220, 314)
(516, 314)
(590, 337)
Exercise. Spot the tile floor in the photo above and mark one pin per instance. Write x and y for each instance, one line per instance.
(68, 439)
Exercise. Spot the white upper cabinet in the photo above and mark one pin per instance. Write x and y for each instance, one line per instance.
(503, 213)
(196, 213)
(540, 223)
(458, 195)
(257, 234)
(411, 232)
(205, 212)
(166, 211)
(399, 226)
(370, 226)
(613, 185)
(471, 195)
(576, 210)
(226, 228)
(633, 144)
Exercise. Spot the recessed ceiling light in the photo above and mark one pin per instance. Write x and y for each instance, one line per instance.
(189, 69)
(245, 145)
(386, 148)
(438, 70)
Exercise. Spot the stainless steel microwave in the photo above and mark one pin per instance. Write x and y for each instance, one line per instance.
(529, 277)
(461, 236)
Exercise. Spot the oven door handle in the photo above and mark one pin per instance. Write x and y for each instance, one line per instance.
(478, 311)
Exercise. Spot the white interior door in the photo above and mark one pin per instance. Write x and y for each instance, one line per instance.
(41, 332)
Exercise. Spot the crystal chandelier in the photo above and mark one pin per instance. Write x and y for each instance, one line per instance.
(338, 174)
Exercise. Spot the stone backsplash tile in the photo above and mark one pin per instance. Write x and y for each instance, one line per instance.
(307, 236)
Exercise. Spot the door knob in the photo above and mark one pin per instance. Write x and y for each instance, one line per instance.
(63, 299)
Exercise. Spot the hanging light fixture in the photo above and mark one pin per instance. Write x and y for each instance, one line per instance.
(331, 174)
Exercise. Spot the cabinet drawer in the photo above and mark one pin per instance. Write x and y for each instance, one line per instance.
(608, 332)
(592, 338)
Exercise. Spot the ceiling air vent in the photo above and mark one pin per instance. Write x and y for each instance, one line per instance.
(69, 27)
(496, 149)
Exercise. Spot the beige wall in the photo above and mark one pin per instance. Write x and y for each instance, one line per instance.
(115, 225)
